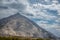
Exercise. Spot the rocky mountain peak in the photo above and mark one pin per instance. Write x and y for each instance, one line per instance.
(19, 25)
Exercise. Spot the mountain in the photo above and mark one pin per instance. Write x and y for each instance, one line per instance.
(19, 25)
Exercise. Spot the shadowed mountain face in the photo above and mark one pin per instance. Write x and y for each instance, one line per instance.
(18, 25)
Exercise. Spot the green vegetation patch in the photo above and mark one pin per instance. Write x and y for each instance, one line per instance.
(21, 38)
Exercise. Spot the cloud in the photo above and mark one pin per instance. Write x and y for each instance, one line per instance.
(58, 20)
(7, 12)
(13, 7)
(50, 20)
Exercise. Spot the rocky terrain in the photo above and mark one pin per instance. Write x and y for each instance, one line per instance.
(18, 25)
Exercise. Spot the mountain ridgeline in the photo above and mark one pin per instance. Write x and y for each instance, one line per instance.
(19, 25)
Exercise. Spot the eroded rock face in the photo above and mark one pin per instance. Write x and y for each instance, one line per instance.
(18, 25)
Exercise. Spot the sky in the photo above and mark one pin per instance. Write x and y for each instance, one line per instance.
(45, 13)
